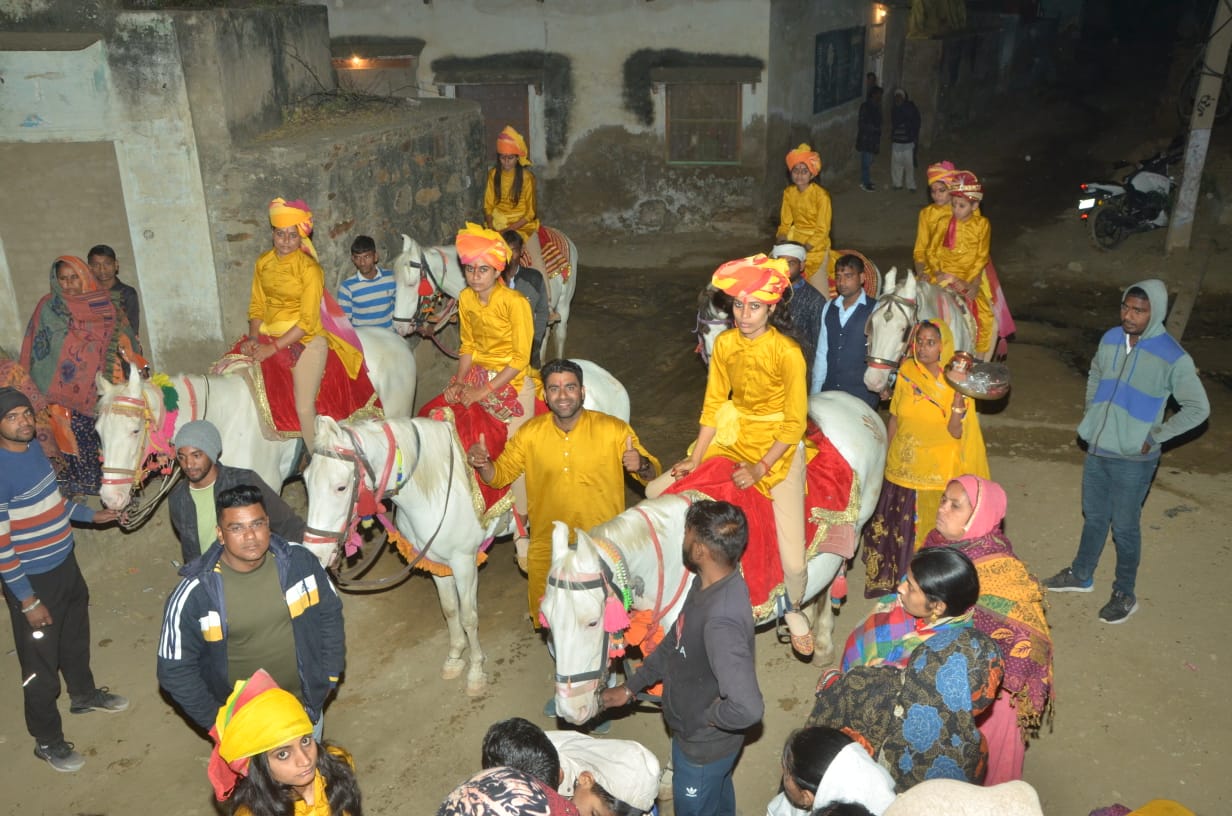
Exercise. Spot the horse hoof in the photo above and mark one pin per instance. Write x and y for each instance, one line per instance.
(477, 687)
(452, 669)
(823, 653)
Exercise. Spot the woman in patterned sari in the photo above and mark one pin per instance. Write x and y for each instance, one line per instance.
(934, 436)
(1010, 611)
(74, 334)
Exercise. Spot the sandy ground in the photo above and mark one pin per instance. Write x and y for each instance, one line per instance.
(1139, 710)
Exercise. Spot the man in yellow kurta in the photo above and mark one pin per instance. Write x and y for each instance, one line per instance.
(574, 461)
(805, 216)
(934, 216)
(960, 252)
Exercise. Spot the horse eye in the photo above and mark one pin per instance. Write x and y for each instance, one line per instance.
(340, 488)
(593, 624)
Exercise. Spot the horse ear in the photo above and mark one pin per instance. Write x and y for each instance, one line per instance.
(587, 552)
(560, 540)
(326, 427)
(134, 381)
(406, 242)
(891, 278)
(102, 384)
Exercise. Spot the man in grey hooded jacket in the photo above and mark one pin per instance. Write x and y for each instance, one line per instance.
(1137, 368)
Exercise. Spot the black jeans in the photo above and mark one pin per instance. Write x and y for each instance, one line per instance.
(64, 647)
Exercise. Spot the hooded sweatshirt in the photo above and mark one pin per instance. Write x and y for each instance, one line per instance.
(1128, 388)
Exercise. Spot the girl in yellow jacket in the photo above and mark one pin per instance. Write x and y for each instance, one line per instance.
(805, 215)
(935, 215)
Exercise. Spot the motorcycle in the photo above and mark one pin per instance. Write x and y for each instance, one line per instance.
(1140, 202)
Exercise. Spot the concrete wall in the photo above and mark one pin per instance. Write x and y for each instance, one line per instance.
(611, 170)
(128, 90)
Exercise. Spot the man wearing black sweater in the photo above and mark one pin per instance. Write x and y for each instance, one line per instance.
(706, 664)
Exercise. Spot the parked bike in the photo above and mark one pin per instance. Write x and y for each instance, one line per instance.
(1139, 202)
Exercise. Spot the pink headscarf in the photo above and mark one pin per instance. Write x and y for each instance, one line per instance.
(988, 504)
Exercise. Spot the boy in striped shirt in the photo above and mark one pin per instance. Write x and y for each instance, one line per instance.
(44, 589)
(367, 298)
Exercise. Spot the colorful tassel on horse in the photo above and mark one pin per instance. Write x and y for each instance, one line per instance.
(615, 617)
(838, 590)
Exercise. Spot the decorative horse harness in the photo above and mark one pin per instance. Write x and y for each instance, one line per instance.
(618, 591)
(893, 304)
(436, 306)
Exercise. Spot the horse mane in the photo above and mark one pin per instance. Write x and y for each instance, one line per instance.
(435, 441)
(628, 530)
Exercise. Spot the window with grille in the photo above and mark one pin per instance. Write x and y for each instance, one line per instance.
(703, 123)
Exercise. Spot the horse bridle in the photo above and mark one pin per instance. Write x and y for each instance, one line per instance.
(425, 269)
(361, 494)
(893, 303)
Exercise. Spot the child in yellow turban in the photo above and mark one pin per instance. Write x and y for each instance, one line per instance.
(266, 758)
(755, 412)
(805, 215)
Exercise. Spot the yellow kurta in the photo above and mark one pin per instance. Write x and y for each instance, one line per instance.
(287, 292)
(502, 210)
(766, 383)
(967, 260)
(575, 477)
(804, 217)
(931, 218)
(497, 335)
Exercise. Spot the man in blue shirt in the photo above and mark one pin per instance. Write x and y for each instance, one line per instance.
(367, 298)
(839, 364)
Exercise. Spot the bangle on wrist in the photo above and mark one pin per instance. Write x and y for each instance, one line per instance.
(765, 464)
(28, 609)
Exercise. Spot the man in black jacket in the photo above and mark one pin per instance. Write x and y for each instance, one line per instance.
(904, 134)
(868, 136)
(252, 601)
(197, 448)
(706, 664)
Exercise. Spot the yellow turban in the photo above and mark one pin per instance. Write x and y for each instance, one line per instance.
(941, 171)
(756, 277)
(283, 213)
(257, 717)
(806, 155)
(964, 184)
(511, 143)
(479, 245)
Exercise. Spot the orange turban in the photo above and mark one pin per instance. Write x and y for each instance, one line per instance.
(941, 171)
(259, 716)
(964, 184)
(283, 214)
(479, 245)
(756, 277)
(511, 143)
(804, 155)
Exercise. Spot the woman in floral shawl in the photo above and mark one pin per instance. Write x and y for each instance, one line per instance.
(1010, 611)
(75, 333)
(934, 436)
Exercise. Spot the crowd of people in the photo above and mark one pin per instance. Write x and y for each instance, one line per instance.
(941, 686)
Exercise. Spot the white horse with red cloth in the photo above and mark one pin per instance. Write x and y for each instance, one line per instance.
(443, 525)
(624, 581)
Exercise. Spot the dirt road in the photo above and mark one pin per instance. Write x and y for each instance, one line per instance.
(1140, 710)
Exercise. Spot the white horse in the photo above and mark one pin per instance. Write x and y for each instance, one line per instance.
(444, 273)
(132, 415)
(420, 465)
(903, 304)
(639, 551)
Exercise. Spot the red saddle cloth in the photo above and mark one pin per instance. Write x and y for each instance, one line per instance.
(555, 250)
(470, 423)
(339, 397)
(828, 501)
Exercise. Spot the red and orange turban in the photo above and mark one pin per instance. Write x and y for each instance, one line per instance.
(964, 184)
(283, 214)
(807, 156)
(511, 143)
(756, 277)
(259, 716)
(478, 245)
(941, 171)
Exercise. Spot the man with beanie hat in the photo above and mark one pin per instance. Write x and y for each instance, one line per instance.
(45, 591)
(197, 448)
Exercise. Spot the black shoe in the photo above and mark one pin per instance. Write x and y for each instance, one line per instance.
(1118, 608)
(98, 700)
(61, 756)
(1066, 581)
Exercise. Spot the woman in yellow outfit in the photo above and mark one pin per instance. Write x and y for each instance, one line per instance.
(755, 413)
(959, 254)
(494, 356)
(288, 286)
(933, 216)
(805, 215)
(509, 200)
(267, 762)
(934, 437)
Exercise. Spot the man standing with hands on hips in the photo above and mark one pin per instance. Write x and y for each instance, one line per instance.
(45, 591)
